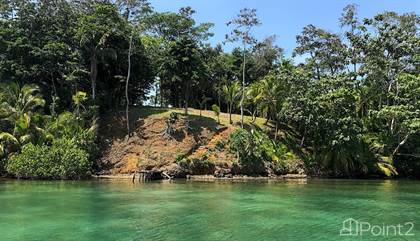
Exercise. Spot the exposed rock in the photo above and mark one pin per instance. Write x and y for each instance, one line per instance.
(175, 171)
(222, 172)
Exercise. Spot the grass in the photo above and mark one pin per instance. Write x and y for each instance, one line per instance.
(224, 117)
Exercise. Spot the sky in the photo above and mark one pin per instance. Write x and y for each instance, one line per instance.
(283, 18)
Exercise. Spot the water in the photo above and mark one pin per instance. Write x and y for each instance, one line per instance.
(185, 210)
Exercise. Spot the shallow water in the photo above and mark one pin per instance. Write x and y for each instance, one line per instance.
(186, 210)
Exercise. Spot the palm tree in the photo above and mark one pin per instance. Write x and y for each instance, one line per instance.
(216, 110)
(270, 98)
(78, 99)
(17, 110)
(252, 99)
(231, 93)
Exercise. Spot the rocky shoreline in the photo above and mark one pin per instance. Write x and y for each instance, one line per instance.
(211, 177)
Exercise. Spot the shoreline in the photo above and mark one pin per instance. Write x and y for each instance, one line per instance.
(287, 177)
(211, 177)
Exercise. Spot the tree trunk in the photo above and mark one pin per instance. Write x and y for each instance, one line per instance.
(303, 137)
(243, 90)
(318, 72)
(53, 84)
(304, 132)
(156, 94)
(219, 101)
(93, 72)
(400, 145)
(277, 129)
(126, 86)
(187, 92)
(161, 96)
(230, 114)
(267, 118)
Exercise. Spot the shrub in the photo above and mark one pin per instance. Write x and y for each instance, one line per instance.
(220, 144)
(63, 160)
(257, 152)
(249, 152)
(184, 163)
(179, 157)
(198, 166)
(216, 110)
(202, 166)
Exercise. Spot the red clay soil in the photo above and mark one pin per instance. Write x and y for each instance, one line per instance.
(146, 148)
(220, 157)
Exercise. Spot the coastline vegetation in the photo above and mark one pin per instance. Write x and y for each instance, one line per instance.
(351, 108)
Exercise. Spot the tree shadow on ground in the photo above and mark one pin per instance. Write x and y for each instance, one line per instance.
(113, 123)
(197, 125)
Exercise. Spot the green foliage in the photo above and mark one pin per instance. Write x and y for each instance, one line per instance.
(197, 166)
(173, 117)
(231, 93)
(201, 166)
(18, 113)
(179, 158)
(216, 111)
(256, 152)
(63, 160)
(352, 102)
(220, 145)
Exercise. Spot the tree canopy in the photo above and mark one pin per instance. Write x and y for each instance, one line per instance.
(352, 106)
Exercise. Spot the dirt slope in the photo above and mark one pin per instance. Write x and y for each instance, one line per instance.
(147, 149)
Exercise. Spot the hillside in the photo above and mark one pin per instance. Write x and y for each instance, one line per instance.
(148, 149)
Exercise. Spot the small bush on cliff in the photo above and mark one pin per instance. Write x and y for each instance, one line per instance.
(63, 160)
(197, 166)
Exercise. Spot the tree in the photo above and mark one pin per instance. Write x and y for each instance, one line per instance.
(231, 93)
(406, 111)
(182, 66)
(390, 51)
(216, 111)
(244, 22)
(133, 8)
(182, 61)
(270, 98)
(203, 103)
(18, 111)
(265, 58)
(350, 20)
(139, 9)
(93, 31)
(327, 52)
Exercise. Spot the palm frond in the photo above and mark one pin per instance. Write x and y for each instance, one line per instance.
(25, 139)
(8, 138)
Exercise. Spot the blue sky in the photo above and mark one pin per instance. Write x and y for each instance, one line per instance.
(285, 19)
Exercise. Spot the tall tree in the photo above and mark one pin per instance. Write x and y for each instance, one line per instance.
(182, 63)
(327, 52)
(93, 31)
(243, 24)
(140, 9)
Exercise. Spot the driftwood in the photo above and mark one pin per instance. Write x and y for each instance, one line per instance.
(166, 175)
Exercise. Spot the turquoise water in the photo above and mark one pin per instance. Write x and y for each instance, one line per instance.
(185, 210)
